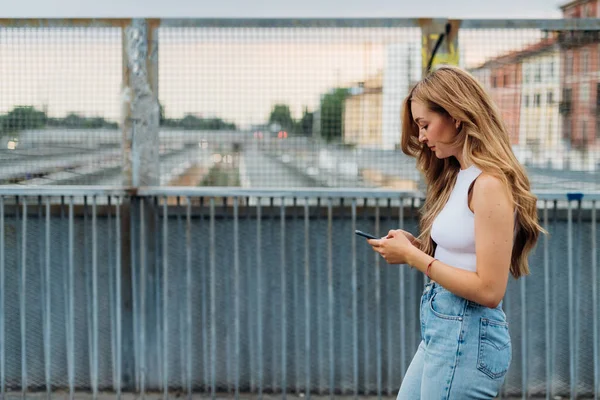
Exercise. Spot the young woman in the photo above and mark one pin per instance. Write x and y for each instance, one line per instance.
(479, 222)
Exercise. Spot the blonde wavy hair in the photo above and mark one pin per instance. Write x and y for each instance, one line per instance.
(484, 140)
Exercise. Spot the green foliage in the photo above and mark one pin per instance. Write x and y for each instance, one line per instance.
(191, 122)
(27, 117)
(305, 125)
(74, 121)
(20, 118)
(332, 106)
(281, 115)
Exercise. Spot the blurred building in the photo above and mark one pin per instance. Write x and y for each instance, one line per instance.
(372, 111)
(539, 125)
(402, 71)
(362, 114)
(580, 84)
(501, 77)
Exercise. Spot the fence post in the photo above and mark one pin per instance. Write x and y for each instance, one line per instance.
(141, 167)
(140, 110)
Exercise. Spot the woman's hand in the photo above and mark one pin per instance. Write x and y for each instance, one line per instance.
(413, 240)
(396, 247)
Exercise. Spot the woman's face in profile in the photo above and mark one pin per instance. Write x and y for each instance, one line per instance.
(436, 131)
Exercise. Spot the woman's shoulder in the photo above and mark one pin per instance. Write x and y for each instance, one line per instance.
(490, 188)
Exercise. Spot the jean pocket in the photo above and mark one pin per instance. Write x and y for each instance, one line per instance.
(495, 350)
(446, 305)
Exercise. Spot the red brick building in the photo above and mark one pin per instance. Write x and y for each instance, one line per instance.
(580, 84)
(503, 79)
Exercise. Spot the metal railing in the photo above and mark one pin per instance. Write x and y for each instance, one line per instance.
(216, 290)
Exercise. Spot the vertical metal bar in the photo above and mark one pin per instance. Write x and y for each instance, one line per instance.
(156, 296)
(188, 293)
(342, 333)
(182, 299)
(213, 300)
(595, 300)
(354, 305)
(165, 305)
(524, 352)
(547, 303)
(23, 294)
(251, 302)
(402, 303)
(42, 265)
(111, 292)
(205, 307)
(2, 310)
(507, 310)
(284, 271)
(94, 371)
(577, 270)
(118, 297)
(388, 321)
(320, 302)
(71, 301)
(271, 310)
(554, 295)
(378, 304)
(65, 265)
(259, 294)
(142, 309)
(88, 292)
(296, 302)
(307, 327)
(330, 296)
(47, 310)
(135, 284)
(414, 292)
(227, 313)
(236, 283)
(365, 302)
(571, 294)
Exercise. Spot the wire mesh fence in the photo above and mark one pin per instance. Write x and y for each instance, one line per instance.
(280, 103)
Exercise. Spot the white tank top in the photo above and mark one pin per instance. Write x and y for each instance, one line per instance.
(453, 230)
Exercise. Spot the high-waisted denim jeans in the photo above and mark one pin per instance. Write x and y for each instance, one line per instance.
(464, 353)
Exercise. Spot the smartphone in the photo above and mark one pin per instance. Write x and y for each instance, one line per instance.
(364, 234)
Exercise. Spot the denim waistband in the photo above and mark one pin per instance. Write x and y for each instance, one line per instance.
(433, 287)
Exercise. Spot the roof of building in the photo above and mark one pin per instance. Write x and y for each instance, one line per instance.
(518, 55)
(572, 4)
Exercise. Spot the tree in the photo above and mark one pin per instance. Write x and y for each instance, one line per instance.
(282, 116)
(192, 122)
(332, 106)
(161, 110)
(306, 122)
(20, 118)
(76, 121)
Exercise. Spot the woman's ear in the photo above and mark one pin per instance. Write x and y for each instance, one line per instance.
(458, 125)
